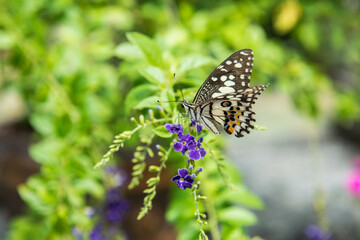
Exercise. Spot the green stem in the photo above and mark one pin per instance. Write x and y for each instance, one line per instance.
(119, 140)
(198, 214)
(213, 221)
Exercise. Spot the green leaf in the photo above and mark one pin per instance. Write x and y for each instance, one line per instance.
(42, 123)
(128, 51)
(149, 102)
(46, 151)
(33, 198)
(6, 40)
(88, 185)
(192, 62)
(152, 74)
(241, 196)
(237, 216)
(137, 94)
(162, 132)
(153, 168)
(149, 47)
(150, 152)
(167, 96)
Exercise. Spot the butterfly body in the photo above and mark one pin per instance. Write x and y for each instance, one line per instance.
(226, 97)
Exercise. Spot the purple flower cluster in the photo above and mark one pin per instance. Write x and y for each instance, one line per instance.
(313, 232)
(183, 179)
(115, 207)
(187, 143)
(111, 212)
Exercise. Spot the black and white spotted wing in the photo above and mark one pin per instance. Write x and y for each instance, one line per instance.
(231, 75)
(226, 97)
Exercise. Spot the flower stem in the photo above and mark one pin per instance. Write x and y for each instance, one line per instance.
(119, 140)
(200, 216)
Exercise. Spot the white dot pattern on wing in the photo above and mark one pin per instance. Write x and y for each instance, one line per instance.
(229, 83)
(238, 65)
(230, 76)
(227, 89)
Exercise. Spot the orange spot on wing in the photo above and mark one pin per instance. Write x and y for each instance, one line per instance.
(229, 129)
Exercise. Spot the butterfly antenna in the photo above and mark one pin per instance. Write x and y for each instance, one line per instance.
(165, 101)
(182, 95)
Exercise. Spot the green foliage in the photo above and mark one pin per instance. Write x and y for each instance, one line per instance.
(83, 68)
(226, 198)
(152, 182)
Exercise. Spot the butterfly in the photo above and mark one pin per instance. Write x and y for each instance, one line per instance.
(226, 98)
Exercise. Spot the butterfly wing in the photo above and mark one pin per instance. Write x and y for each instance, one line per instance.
(226, 97)
(229, 77)
(235, 114)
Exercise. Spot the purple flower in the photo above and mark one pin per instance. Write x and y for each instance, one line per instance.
(116, 176)
(116, 207)
(116, 211)
(192, 123)
(196, 151)
(183, 179)
(76, 233)
(182, 144)
(313, 232)
(174, 128)
(199, 128)
(89, 211)
(200, 169)
(113, 195)
(96, 233)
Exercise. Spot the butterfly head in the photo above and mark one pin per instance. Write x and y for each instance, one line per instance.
(186, 105)
(190, 110)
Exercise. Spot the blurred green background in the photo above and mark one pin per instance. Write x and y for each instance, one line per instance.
(67, 67)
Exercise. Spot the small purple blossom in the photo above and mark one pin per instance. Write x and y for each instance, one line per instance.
(113, 195)
(174, 128)
(117, 176)
(193, 176)
(76, 233)
(96, 233)
(191, 167)
(182, 144)
(200, 169)
(199, 128)
(196, 151)
(159, 107)
(183, 179)
(116, 207)
(313, 232)
(116, 211)
(192, 122)
(89, 211)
